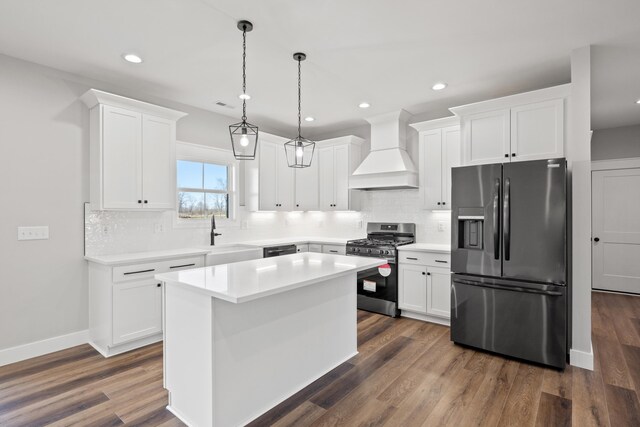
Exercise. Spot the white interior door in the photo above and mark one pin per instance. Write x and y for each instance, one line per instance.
(616, 230)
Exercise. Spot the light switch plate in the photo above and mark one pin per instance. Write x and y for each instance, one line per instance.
(442, 226)
(33, 233)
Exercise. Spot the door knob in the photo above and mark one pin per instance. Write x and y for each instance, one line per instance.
(596, 239)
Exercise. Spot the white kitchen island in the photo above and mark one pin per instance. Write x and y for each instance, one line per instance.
(240, 338)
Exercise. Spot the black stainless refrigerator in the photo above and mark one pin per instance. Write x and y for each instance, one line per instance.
(509, 259)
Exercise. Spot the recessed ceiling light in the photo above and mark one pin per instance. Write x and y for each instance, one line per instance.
(132, 57)
(364, 105)
(439, 86)
(309, 119)
(244, 96)
(638, 101)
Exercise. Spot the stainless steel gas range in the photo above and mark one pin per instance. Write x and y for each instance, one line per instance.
(378, 287)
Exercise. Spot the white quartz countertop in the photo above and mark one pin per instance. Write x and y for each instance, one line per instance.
(128, 258)
(135, 257)
(249, 280)
(426, 247)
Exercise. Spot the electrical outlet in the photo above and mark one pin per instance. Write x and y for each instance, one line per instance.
(33, 233)
(106, 230)
(358, 223)
(158, 228)
(244, 224)
(442, 226)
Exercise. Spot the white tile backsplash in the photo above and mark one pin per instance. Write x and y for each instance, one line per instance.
(108, 232)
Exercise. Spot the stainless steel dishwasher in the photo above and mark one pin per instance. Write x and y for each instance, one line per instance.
(272, 251)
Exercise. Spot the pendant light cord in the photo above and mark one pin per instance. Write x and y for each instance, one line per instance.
(244, 72)
(299, 99)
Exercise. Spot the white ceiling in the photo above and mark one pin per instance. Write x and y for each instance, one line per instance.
(388, 53)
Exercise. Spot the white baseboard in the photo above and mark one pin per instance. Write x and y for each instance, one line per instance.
(581, 359)
(426, 318)
(39, 348)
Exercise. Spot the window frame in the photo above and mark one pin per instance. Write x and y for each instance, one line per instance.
(203, 154)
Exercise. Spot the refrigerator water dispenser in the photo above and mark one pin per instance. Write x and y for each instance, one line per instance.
(471, 228)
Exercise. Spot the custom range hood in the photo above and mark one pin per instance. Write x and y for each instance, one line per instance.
(388, 165)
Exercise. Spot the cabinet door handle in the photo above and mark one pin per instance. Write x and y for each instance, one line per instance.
(428, 274)
(140, 271)
(159, 285)
(439, 203)
(139, 201)
(332, 251)
(183, 265)
(596, 239)
(441, 261)
(423, 273)
(297, 206)
(513, 154)
(146, 201)
(506, 155)
(443, 203)
(412, 259)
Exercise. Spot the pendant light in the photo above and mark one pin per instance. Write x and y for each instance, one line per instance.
(299, 150)
(244, 135)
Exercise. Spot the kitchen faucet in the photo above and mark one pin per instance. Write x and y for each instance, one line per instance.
(213, 230)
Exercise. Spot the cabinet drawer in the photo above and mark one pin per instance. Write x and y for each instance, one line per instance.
(334, 249)
(147, 270)
(425, 258)
(182, 264)
(136, 271)
(313, 247)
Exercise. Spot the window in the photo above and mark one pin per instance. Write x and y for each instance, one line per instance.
(203, 190)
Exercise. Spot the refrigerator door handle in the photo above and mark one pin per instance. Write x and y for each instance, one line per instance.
(506, 218)
(496, 219)
(510, 288)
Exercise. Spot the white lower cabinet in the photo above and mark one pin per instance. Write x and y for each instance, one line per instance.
(302, 248)
(125, 303)
(137, 310)
(424, 287)
(412, 288)
(438, 292)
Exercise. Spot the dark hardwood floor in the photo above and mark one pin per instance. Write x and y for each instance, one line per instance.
(407, 373)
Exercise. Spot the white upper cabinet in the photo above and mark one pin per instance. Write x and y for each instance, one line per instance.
(527, 126)
(276, 178)
(121, 157)
(337, 159)
(439, 152)
(132, 153)
(537, 130)
(486, 137)
(158, 162)
(307, 194)
(271, 185)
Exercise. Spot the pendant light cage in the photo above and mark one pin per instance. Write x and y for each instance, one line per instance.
(299, 150)
(244, 135)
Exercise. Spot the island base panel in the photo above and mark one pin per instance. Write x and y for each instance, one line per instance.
(227, 363)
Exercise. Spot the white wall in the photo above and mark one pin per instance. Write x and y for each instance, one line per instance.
(44, 181)
(616, 143)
